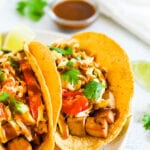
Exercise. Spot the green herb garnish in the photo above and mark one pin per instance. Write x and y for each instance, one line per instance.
(4, 96)
(70, 64)
(21, 5)
(146, 121)
(18, 106)
(93, 90)
(71, 75)
(66, 51)
(15, 104)
(2, 75)
(34, 9)
(13, 62)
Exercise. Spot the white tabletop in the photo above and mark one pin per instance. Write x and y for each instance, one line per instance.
(137, 138)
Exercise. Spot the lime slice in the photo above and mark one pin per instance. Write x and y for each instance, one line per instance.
(15, 39)
(141, 70)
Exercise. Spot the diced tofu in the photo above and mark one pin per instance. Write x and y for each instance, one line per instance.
(110, 97)
(96, 129)
(77, 126)
(107, 114)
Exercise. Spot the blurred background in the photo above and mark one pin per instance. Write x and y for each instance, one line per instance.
(125, 21)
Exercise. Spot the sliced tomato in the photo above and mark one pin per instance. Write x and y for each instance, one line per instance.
(75, 105)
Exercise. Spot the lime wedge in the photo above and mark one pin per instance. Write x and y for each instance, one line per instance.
(141, 70)
(15, 39)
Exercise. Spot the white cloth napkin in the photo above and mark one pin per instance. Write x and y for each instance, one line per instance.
(134, 15)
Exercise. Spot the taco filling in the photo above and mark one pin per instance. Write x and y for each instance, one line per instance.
(88, 105)
(23, 119)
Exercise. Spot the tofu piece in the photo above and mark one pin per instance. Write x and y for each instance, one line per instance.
(107, 114)
(109, 97)
(96, 129)
(77, 126)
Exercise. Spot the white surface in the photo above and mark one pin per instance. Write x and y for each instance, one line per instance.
(137, 138)
(132, 14)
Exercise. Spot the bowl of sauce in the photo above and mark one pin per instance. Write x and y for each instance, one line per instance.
(74, 13)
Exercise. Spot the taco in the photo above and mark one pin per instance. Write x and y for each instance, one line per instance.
(97, 86)
(25, 103)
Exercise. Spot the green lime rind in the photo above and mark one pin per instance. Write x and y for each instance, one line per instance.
(141, 71)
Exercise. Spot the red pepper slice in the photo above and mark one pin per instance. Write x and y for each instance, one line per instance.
(74, 103)
(34, 92)
(68, 94)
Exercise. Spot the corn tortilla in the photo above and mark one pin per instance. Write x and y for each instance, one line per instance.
(47, 64)
(48, 142)
(111, 56)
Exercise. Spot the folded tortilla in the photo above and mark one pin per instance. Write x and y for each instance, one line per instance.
(47, 65)
(111, 56)
(43, 65)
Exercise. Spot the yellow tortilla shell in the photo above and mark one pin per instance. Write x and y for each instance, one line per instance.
(111, 56)
(47, 65)
(37, 56)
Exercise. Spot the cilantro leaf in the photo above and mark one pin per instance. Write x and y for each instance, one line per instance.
(21, 7)
(146, 121)
(93, 90)
(70, 63)
(71, 75)
(18, 106)
(66, 51)
(4, 96)
(13, 62)
(34, 9)
(15, 104)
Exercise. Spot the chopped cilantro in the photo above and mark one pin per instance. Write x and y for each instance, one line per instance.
(146, 121)
(66, 51)
(2, 75)
(18, 106)
(93, 90)
(13, 62)
(4, 96)
(70, 63)
(34, 9)
(15, 104)
(21, 5)
(71, 75)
